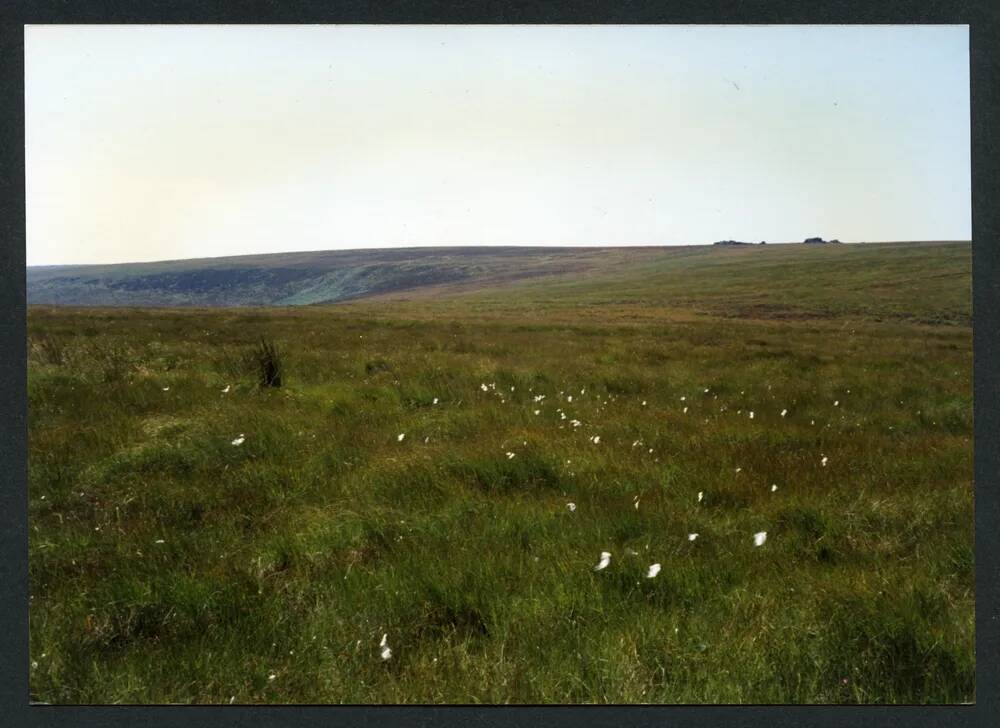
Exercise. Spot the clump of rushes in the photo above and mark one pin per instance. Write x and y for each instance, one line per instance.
(269, 365)
(47, 349)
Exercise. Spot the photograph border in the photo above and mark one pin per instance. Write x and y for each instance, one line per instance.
(983, 21)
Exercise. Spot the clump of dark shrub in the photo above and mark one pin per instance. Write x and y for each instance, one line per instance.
(262, 363)
(374, 366)
(269, 366)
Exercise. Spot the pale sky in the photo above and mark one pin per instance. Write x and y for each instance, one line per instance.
(158, 142)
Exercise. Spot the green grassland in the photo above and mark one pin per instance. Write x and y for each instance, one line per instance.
(169, 565)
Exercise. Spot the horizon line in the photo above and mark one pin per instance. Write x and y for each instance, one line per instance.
(551, 246)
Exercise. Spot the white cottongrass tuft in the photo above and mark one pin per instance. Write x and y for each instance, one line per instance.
(759, 538)
(692, 536)
(384, 650)
(226, 389)
(596, 439)
(700, 496)
(605, 560)
(166, 389)
(773, 487)
(635, 502)
(751, 414)
(400, 437)
(643, 403)
(836, 403)
(510, 455)
(823, 461)
(654, 569)
(159, 540)
(435, 401)
(569, 398)
(538, 412)
(240, 440)
(571, 506)
(784, 412)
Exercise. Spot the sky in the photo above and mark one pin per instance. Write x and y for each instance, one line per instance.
(169, 142)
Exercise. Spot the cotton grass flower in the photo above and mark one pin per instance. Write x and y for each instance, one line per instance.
(596, 439)
(435, 401)
(571, 507)
(759, 538)
(537, 412)
(654, 569)
(824, 461)
(692, 536)
(166, 389)
(384, 649)
(510, 455)
(225, 390)
(700, 496)
(400, 437)
(685, 410)
(605, 560)
(239, 440)
(751, 414)
(773, 487)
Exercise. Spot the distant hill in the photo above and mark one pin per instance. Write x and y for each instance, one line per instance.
(309, 277)
(747, 277)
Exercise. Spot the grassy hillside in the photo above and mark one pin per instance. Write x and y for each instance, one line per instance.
(918, 282)
(304, 278)
(821, 395)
